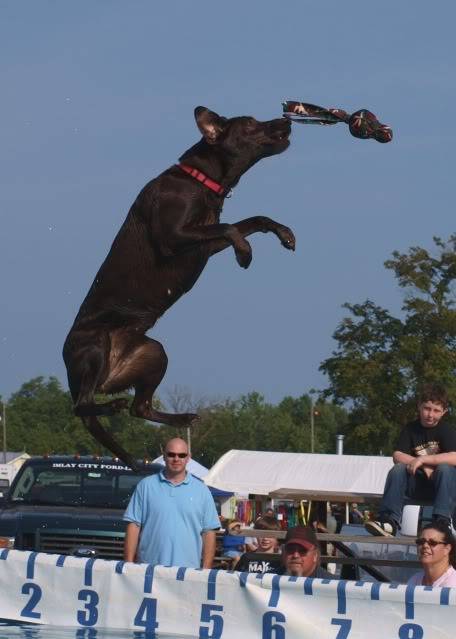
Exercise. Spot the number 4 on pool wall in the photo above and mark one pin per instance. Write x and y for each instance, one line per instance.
(146, 617)
(345, 627)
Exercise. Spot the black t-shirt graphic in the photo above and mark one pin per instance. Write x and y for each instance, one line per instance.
(259, 562)
(418, 440)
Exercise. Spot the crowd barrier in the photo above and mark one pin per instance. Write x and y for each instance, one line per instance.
(69, 591)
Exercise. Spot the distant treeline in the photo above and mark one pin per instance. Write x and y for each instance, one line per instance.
(374, 374)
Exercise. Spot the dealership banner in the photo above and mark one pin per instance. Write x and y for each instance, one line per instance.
(61, 590)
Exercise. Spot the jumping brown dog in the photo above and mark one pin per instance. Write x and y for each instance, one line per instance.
(169, 234)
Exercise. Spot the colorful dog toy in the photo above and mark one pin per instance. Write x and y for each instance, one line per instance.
(362, 124)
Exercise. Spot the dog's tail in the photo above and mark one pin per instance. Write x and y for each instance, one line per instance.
(107, 440)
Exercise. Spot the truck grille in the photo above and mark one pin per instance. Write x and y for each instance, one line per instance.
(107, 546)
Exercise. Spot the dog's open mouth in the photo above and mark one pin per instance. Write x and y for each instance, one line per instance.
(281, 136)
(282, 133)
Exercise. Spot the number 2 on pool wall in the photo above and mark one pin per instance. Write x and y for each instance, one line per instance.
(35, 591)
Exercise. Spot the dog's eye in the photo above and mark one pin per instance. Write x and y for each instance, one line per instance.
(250, 125)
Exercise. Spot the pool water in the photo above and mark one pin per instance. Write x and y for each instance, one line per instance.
(11, 630)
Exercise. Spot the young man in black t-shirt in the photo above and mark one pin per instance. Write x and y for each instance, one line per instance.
(265, 559)
(424, 465)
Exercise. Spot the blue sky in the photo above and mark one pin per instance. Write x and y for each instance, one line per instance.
(98, 98)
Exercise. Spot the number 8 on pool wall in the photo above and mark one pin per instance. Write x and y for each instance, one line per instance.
(411, 631)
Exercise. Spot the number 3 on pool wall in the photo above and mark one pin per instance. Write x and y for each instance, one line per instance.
(89, 616)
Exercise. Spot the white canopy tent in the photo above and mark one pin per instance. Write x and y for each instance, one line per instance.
(300, 474)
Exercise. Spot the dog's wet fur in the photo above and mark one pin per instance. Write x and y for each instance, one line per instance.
(169, 234)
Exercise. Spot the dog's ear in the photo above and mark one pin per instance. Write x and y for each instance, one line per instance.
(209, 123)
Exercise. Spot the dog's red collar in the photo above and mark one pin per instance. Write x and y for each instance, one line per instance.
(201, 177)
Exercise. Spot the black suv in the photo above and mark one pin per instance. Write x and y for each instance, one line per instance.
(69, 505)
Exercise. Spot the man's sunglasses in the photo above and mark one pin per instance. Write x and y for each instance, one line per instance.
(432, 542)
(290, 549)
(173, 455)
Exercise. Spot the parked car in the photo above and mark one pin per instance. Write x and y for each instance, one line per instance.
(69, 505)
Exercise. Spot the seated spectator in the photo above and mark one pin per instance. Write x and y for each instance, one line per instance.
(251, 542)
(355, 515)
(437, 554)
(233, 544)
(301, 554)
(424, 465)
(258, 561)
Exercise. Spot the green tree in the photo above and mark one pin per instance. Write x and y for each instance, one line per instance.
(41, 420)
(381, 360)
(250, 423)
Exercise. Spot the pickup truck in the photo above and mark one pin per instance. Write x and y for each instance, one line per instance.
(69, 505)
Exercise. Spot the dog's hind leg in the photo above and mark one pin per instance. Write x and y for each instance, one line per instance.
(87, 361)
(105, 439)
(142, 366)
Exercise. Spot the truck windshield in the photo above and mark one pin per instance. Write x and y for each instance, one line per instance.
(73, 484)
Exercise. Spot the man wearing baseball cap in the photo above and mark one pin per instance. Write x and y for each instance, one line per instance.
(301, 554)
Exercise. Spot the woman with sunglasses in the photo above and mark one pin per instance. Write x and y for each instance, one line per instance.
(437, 554)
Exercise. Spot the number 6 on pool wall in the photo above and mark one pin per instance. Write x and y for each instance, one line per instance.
(271, 625)
(207, 615)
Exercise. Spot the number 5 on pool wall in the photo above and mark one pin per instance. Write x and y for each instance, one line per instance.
(208, 616)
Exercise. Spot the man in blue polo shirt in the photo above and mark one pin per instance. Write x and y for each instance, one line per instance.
(171, 516)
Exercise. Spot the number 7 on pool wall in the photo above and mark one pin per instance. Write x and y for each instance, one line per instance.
(345, 627)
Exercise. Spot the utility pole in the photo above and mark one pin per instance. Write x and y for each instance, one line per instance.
(3, 418)
(312, 429)
(189, 440)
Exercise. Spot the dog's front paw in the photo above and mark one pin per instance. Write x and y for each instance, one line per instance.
(287, 238)
(243, 254)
